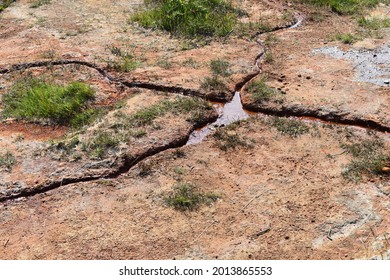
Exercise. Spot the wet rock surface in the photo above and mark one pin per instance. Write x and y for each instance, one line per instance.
(372, 66)
(283, 188)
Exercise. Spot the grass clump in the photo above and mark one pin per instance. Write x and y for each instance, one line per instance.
(214, 84)
(180, 105)
(5, 4)
(100, 145)
(374, 23)
(345, 7)
(347, 38)
(39, 3)
(188, 18)
(228, 139)
(251, 29)
(369, 158)
(190, 62)
(220, 67)
(34, 99)
(7, 160)
(86, 117)
(187, 197)
(261, 92)
(146, 116)
(291, 127)
(123, 61)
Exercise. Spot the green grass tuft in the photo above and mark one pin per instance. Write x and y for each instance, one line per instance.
(347, 38)
(5, 4)
(261, 92)
(291, 127)
(100, 145)
(214, 84)
(189, 18)
(39, 3)
(34, 99)
(345, 7)
(369, 158)
(187, 197)
(220, 68)
(374, 23)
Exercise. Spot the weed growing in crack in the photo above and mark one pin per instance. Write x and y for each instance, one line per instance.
(369, 158)
(124, 61)
(261, 92)
(144, 169)
(187, 197)
(214, 84)
(270, 40)
(7, 160)
(35, 99)
(178, 153)
(110, 136)
(290, 127)
(268, 58)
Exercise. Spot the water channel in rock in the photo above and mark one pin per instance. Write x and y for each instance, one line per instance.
(228, 113)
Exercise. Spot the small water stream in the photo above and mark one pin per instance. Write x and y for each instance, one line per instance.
(228, 113)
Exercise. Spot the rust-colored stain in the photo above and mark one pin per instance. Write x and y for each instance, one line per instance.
(32, 131)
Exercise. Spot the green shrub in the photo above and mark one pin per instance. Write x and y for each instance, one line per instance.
(35, 99)
(189, 18)
(186, 196)
(214, 84)
(260, 91)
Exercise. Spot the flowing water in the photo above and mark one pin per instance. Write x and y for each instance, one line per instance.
(228, 113)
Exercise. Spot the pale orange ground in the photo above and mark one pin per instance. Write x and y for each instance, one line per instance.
(284, 198)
